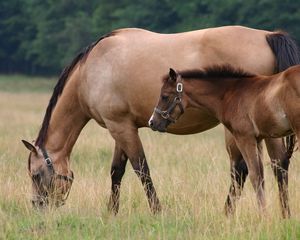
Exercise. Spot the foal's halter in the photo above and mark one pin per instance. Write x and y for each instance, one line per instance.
(177, 101)
(54, 175)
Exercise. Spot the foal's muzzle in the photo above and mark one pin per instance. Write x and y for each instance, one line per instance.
(160, 126)
(166, 117)
(151, 124)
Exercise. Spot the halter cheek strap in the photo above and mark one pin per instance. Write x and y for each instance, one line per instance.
(167, 113)
(48, 160)
(49, 164)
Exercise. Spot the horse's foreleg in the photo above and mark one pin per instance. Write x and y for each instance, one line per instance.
(252, 153)
(280, 164)
(141, 168)
(126, 136)
(238, 173)
(117, 172)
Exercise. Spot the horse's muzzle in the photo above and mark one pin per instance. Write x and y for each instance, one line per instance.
(161, 127)
(151, 125)
(39, 203)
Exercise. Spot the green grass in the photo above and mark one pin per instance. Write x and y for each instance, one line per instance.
(19, 83)
(191, 175)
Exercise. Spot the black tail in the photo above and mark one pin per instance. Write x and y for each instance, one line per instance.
(287, 54)
(285, 50)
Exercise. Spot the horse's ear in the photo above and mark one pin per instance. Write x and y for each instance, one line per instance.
(173, 74)
(30, 147)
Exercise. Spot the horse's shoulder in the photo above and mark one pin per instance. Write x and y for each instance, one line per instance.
(292, 72)
(292, 77)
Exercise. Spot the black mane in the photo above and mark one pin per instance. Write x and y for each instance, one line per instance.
(216, 71)
(58, 89)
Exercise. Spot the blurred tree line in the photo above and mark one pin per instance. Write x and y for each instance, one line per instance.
(42, 36)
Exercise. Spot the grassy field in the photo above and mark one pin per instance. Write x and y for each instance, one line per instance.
(191, 175)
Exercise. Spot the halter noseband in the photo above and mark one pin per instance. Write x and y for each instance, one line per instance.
(177, 101)
(49, 164)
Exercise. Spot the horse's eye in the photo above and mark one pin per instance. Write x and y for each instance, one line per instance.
(164, 98)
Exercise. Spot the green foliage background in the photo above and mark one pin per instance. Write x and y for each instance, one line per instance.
(42, 36)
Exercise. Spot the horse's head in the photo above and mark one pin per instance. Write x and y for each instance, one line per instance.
(171, 103)
(49, 187)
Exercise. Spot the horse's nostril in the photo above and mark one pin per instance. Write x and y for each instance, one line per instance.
(37, 203)
(150, 123)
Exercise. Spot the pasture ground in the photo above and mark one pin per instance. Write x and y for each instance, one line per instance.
(191, 175)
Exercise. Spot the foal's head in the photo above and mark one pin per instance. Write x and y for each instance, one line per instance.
(49, 187)
(171, 103)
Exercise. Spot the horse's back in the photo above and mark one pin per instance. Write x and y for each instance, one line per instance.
(132, 49)
(124, 71)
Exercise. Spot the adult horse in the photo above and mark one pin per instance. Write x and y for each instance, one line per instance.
(111, 81)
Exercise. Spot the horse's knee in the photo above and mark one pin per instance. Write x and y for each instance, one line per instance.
(117, 173)
(241, 171)
(256, 176)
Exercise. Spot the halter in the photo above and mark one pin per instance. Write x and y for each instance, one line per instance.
(49, 164)
(177, 101)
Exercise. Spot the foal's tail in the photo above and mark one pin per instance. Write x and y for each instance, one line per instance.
(287, 54)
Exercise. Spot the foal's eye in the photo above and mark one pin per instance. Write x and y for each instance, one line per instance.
(164, 98)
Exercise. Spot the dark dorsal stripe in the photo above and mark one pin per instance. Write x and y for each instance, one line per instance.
(213, 72)
(216, 71)
(59, 87)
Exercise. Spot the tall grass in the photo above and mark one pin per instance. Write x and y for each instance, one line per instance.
(191, 175)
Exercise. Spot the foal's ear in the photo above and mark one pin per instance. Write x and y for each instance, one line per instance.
(173, 74)
(30, 147)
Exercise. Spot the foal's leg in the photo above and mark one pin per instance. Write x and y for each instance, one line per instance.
(126, 136)
(117, 172)
(238, 173)
(251, 151)
(280, 165)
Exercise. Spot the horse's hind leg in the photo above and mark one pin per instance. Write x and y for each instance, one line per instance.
(238, 173)
(117, 171)
(280, 165)
(126, 136)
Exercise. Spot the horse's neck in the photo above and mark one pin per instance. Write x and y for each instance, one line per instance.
(205, 94)
(66, 123)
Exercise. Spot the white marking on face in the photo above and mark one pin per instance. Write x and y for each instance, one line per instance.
(151, 118)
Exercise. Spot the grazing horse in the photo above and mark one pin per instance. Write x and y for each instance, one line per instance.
(111, 81)
(252, 107)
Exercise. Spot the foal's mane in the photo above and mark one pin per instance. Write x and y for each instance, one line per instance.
(214, 72)
(59, 87)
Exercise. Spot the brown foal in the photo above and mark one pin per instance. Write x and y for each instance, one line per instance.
(252, 107)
